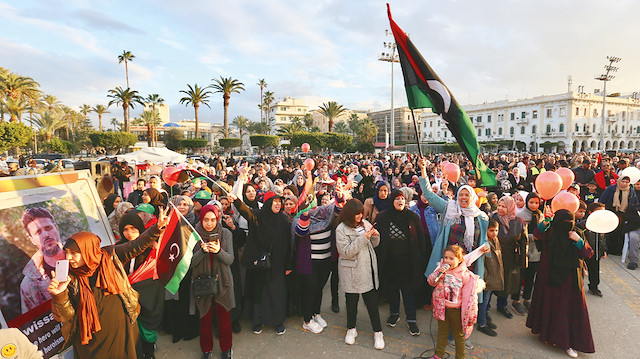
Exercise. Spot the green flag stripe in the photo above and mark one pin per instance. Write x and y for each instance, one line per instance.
(468, 135)
(417, 98)
(183, 265)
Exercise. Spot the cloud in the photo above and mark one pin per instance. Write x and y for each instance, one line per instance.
(94, 19)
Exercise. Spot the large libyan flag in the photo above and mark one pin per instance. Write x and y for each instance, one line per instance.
(425, 90)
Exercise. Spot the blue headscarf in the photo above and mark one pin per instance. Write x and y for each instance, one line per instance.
(382, 204)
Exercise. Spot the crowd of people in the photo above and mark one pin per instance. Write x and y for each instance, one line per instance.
(389, 229)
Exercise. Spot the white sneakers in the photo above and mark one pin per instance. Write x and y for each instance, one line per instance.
(350, 338)
(318, 319)
(572, 353)
(312, 326)
(378, 340)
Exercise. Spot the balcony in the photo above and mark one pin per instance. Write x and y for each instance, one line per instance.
(612, 118)
(479, 124)
(522, 121)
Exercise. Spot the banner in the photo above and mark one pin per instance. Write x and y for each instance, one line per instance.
(37, 215)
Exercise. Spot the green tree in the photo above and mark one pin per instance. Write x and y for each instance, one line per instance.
(57, 145)
(331, 110)
(51, 103)
(241, 123)
(13, 135)
(116, 124)
(228, 143)
(267, 102)
(263, 84)
(264, 141)
(341, 127)
(259, 127)
(193, 144)
(313, 139)
(125, 98)
(287, 131)
(173, 139)
(125, 57)
(150, 119)
(336, 141)
(15, 108)
(113, 141)
(100, 110)
(307, 121)
(49, 123)
(226, 86)
(196, 95)
(17, 93)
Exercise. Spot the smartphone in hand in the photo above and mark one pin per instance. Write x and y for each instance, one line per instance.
(62, 270)
(214, 237)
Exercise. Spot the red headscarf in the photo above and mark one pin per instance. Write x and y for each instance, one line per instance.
(96, 260)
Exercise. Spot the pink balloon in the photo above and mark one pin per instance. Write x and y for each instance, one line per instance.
(305, 147)
(548, 184)
(565, 200)
(170, 175)
(452, 172)
(309, 164)
(443, 164)
(567, 176)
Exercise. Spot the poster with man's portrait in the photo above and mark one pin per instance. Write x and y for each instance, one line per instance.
(37, 215)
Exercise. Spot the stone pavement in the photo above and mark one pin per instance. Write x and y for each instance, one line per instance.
(615, 322)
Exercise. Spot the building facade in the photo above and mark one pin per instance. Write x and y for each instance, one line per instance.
(570, 121)
(403, 124)
(285, 111)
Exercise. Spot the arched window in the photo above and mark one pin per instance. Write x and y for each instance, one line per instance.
(522, 130)
(577, 127)
(622, 131)
(500, 131)
(533, 129)
(594, 127)
(561, 129)
(487, 132)
(548, 128)
(511, 130)
(584, 128)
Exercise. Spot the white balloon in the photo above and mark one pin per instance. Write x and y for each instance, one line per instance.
(632, 172)
(602, 221)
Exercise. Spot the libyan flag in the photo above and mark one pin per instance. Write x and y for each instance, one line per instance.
(170, 258)
(425, 90)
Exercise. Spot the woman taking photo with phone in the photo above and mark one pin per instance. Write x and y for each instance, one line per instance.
(97, 306)
(212, 259)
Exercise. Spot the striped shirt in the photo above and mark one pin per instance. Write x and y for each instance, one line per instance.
(321, 245)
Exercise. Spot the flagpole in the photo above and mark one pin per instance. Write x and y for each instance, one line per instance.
(415, 126)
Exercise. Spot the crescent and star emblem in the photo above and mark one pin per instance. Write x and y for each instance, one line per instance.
(172, 257)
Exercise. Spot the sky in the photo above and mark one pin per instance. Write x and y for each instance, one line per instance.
(321, 50)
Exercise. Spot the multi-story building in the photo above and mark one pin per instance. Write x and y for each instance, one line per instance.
(570, 121)
(163, 112)
(286, 110)
(403, 124)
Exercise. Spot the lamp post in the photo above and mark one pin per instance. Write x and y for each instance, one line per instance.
(606, 77)
(390, 57)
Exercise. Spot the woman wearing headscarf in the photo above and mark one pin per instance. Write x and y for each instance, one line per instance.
(133, 225)
(177, 319)
(111, 202)
(558, 309)
(156, 183)
(532, 216)
(617, 198)
(517, 181)
(153, 197)
(269, 235)
(402, 258)
(379, 202)
(462, 223)
(115, 217)
(213, 257)
(97, 305)
(512, 234)
(492, 200)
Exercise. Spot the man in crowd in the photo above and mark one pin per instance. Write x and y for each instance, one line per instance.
(135, 197)
(584, 173)
(606, 177)
(45, 235)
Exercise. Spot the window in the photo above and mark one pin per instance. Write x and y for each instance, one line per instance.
(500, 131)
(563, 112)
(431, 123)
(533, 129)
(511, 131)
(594, 127)
(488, 118)
(479, 119)
(487, 132)
(577, 111)
(584, 113)
(638, 129)
(479, 132)
(523, 115)
(561, 127)
(622, 131)
(284, 108)
(534, 114)
(522, 130)
(577, 127)
(624, 114)
(549, 112)
(513, 116)
(584, 128)
(548, 129)
(445, 134)
(595, 113)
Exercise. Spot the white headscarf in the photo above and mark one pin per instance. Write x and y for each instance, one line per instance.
(524, 195)
(455, 211)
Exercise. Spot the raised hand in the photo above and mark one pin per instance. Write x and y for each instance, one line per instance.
(163, 219)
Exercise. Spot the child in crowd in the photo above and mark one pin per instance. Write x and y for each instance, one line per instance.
(582, 211)
(455, 301)
(493, 277)
(591, 196)
(600, 250)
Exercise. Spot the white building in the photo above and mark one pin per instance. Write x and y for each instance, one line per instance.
(286, 110)
(572, 121)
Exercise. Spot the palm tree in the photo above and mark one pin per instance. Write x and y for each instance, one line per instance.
(154, 100)
(331, 110)
(368, 130)
(287, 131)
(262, 83)
(307, 121)
(52, 103)
(197, 95)
(125, 98)
(241, 123)
(226, 86)
(100, 110)
(126, 57)
(15, 108)
(341, 127)
(49, 123)
(85, 110)
(115, 123)
(267, 101)
(17, 89)
(151, 119)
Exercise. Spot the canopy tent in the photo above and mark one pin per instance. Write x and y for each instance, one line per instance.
(153, 154)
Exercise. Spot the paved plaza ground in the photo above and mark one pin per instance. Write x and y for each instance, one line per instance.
(615, 322)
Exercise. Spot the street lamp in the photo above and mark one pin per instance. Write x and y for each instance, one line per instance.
(606, 77)
(390, 57)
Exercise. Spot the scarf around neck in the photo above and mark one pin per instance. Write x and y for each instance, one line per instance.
(621, 198)
(381, 204)
(454, 211)
(510, 203)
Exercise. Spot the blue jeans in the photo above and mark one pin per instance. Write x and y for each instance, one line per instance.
(483, 308)
(408, 298)
(502, 302)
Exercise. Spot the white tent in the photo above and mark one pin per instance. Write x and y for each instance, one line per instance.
(153, 154)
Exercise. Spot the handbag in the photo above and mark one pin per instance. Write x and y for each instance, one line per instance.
(205, 286)
(264, 262)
